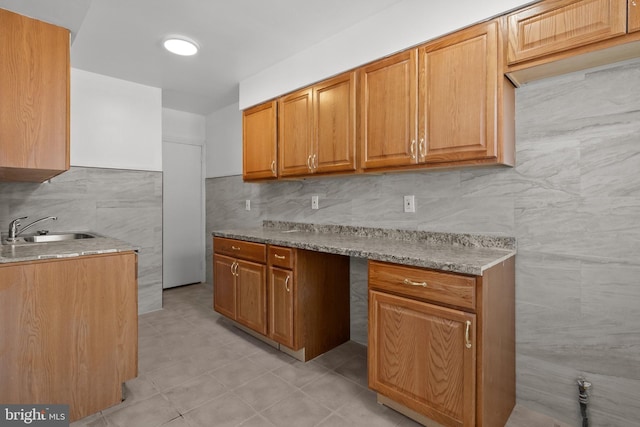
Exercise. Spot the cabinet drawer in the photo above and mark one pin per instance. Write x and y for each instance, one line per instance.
(240, 249)
(281, 257)
(415, 282)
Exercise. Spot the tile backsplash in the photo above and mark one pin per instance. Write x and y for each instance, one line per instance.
(123, 204)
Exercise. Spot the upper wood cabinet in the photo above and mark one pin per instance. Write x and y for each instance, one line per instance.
(633, 16)
(317, 128)
(557, 37)
(260, 141)
(388, 107)
(466, 110)
(555, 26)
(34, 105)
(445, 103)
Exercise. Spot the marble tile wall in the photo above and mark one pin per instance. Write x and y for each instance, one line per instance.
(572, 202)
(123, 204)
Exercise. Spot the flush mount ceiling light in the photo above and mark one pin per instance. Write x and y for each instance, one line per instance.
(181, 45)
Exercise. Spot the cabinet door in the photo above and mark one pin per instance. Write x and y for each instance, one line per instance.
(251, 295)
(633, 16)
(388, 104)
(281, 300)
(459, 96)
(334, 109)
(424, 357)
(555, 26)
(259, 141)
(295, 122)
(224, 286)
(34, 105)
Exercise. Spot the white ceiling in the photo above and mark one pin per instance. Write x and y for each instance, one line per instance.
(238, 38)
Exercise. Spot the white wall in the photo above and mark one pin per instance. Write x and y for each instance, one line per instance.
(224, 142)
(405, 24)
(115, 123)
(182, 127)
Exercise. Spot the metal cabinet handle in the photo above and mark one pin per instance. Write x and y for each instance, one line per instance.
(467, 340)
(235, 248)
(273, 167)
(279, 256)
(423, 148)
(309, 163)
(234, 268)
(413, 149)
(314, 162)
(411, 283)
(286, 284)
(633, 3)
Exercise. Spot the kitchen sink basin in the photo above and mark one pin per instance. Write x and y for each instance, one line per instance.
(57, 237)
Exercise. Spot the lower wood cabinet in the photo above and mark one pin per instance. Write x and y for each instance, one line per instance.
(68, 331)
(239, 284)
(442, 345)
(297, 299)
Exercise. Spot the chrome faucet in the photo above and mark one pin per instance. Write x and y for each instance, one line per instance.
(13, 227)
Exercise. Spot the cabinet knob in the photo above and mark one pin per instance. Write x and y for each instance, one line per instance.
(286, 283)
(412, 283)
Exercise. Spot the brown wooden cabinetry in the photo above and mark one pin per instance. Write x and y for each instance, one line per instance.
(555, 37)
(466, 110)
(34, 105)
(308, 300)
(445, 103)
(633, 16)
(388, 108)
(298, 299)
(555, 26)
(442, 345)
(317, 128)
(69, 331)
(239, 290)
(260, 142)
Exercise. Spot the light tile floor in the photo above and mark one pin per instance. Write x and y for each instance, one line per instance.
(196, 370)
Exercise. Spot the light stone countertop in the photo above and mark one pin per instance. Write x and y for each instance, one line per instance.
(459, 253)
(64, 249)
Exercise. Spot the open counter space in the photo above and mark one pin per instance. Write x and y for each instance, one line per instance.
(458, 253)
(65, 249)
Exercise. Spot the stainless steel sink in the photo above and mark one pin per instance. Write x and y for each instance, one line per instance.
(57, 237)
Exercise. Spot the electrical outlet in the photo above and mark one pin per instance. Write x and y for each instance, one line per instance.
(247, 205)
(410, 203)
(314, 202)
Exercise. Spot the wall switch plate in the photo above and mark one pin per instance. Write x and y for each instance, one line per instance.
(314, 202)
(247, 205)
(410, 203)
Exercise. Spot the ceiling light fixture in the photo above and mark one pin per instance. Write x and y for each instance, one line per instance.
(181, 45)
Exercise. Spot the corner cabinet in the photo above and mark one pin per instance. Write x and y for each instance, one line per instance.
(260, 142)
(442, 345)
(317, 128)
(34, 106)
(446, 103)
